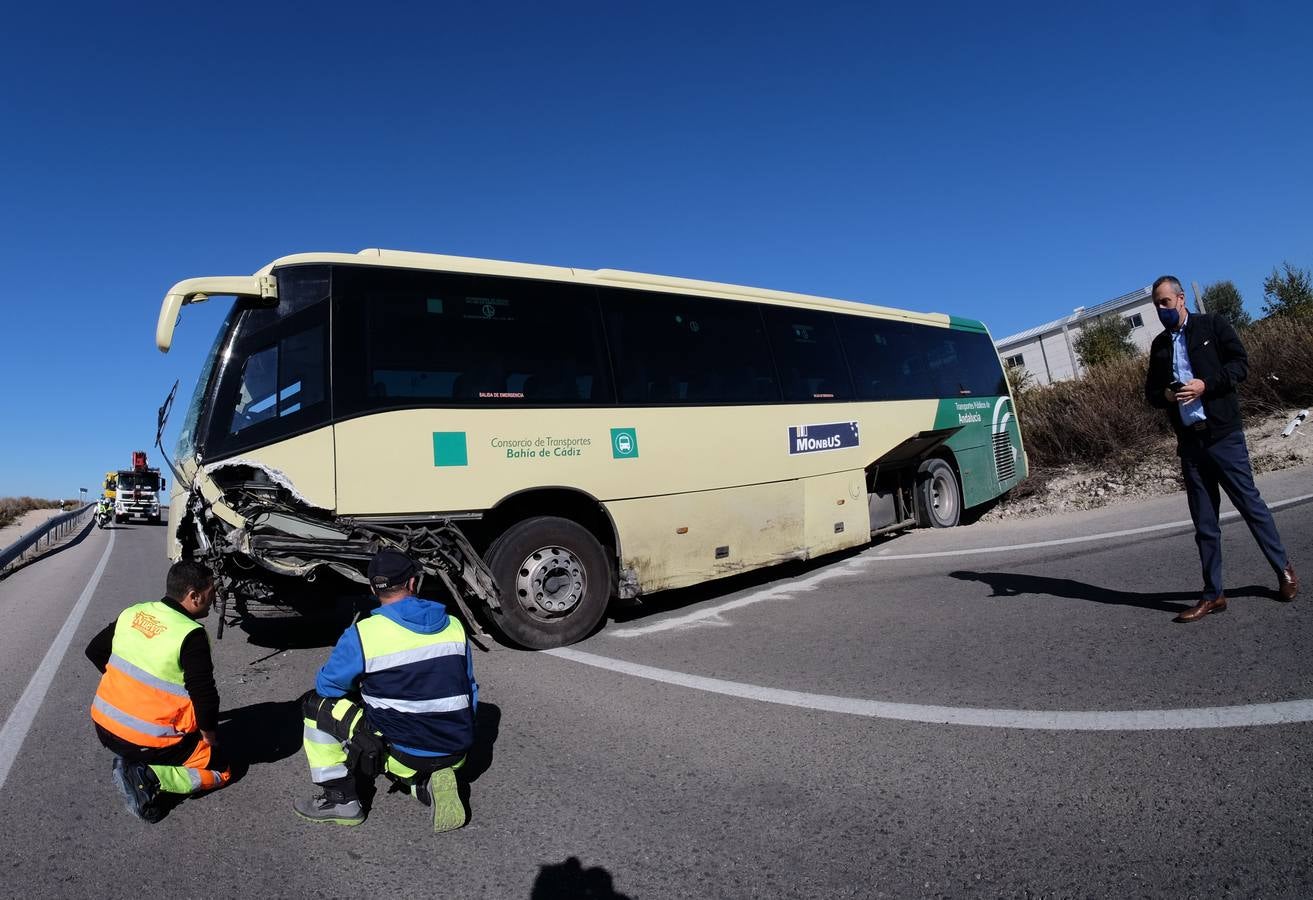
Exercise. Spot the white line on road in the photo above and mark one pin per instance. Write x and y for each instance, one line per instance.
(1283, 713)
(1105, 535)
(712, 615)
(24, 712)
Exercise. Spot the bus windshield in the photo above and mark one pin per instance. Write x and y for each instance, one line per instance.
(187, 436)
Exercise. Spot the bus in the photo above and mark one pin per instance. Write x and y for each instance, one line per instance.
(544, 440)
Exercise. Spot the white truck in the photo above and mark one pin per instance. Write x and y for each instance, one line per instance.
(137, 491)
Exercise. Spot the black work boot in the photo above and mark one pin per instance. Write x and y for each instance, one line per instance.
(140, 789)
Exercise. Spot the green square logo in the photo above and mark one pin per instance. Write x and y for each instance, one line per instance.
(449, 449)
(624, 443)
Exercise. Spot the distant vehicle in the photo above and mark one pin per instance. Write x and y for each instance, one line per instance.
(136, 491)
(545, 439)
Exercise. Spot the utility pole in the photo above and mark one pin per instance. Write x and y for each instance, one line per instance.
(1198, 298)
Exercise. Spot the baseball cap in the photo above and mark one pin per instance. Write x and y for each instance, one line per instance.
(389, 568)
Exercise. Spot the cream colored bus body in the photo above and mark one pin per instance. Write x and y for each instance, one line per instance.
(704, 478)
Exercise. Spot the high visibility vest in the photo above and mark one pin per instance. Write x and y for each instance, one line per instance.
(141, 697)
(416, 687)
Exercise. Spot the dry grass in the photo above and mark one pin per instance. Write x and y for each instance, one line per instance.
(13, 507)
(1103, 420)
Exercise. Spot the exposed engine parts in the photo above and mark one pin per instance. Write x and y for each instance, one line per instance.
(243, 518)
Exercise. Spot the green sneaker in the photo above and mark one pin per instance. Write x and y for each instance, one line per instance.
(330, 808)
(448, 811)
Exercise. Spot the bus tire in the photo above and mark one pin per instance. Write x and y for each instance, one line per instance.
(554, 579)
(938, 495)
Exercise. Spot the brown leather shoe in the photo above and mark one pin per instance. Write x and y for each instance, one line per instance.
(1203, 608)
(1287, 583)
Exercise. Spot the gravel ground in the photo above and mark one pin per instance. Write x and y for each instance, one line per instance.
(1082, 487)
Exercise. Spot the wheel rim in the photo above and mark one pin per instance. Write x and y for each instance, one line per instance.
(551, 582)
(943, 497)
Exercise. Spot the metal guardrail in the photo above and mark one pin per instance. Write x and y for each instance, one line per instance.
(52, 530)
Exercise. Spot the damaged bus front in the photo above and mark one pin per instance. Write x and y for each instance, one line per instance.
(254, 486)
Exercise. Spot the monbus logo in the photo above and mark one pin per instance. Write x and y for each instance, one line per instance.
(147, 624)
(815, 438)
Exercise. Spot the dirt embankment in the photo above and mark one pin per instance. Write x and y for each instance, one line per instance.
(1158, 472)
(24, 523)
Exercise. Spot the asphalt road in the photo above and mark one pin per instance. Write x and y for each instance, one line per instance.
(721, 768)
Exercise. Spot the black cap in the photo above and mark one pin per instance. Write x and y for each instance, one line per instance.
(389, 568)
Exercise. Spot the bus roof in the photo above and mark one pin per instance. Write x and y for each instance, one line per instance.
(406, 259)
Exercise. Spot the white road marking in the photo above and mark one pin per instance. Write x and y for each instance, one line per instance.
(711, 615)
(778, 592)
(1282, 713)
(1085, 538)
(21, 717)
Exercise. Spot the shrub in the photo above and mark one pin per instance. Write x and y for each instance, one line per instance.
(1103, 419)
(1289, 294)
(13, 507)
(1105, 340)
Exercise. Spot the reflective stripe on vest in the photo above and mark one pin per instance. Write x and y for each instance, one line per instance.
(142, 697)
(416, 686)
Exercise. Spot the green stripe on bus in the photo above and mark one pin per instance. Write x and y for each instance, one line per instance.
(965, 324)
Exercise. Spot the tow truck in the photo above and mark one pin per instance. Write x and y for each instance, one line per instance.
(136, 491)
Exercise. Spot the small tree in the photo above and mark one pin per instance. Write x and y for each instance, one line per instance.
(1223, 299)
(1020, 379)
(1106, 339)
(1290, 294)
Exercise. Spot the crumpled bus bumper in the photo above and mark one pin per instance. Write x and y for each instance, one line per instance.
(244, 519)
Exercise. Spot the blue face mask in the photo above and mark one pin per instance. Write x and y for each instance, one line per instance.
(1170, 318)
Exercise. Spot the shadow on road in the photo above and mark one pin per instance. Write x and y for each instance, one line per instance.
(1011, 584)
(54, 551)
(571, 881)
(622, 611)
(260, 733)
(295, 632)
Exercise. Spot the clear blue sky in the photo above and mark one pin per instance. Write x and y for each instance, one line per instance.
(1001, 162)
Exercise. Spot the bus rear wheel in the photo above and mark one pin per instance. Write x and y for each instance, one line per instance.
(938, 495)
(554, 581)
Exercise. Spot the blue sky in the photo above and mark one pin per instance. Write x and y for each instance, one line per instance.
(1004, 162)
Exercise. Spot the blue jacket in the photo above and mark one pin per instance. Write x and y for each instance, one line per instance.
(340, 675)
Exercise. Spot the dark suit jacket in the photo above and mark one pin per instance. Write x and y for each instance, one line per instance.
(1217, 358)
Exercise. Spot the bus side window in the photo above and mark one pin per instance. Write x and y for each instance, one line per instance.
(418, 339)
(257, 392)
(280, 380)
(808, 355)
(670, 348)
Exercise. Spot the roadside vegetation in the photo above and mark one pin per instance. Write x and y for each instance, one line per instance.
(11, 508)
(1100, 425)
(1103, 418)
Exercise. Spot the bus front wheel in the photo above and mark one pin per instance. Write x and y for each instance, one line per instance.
(554, 581)
(938, 495)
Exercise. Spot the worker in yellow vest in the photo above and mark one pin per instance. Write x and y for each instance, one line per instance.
(157, 707)
(409, 664)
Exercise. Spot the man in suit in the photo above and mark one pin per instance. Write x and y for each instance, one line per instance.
(1195, 366)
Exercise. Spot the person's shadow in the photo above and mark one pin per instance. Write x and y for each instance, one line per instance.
(260, 733)
(487, 726)
(571, 881)
(1012, 584)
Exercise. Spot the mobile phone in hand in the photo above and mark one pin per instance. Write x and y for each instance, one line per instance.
(1176, 386)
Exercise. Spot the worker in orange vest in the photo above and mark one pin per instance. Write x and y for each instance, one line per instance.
(157, 707)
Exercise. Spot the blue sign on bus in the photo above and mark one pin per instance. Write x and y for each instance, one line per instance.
(816, 438)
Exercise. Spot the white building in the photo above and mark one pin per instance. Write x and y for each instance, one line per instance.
(1048, 351)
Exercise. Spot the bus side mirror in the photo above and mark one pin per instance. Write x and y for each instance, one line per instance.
(164, 482)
